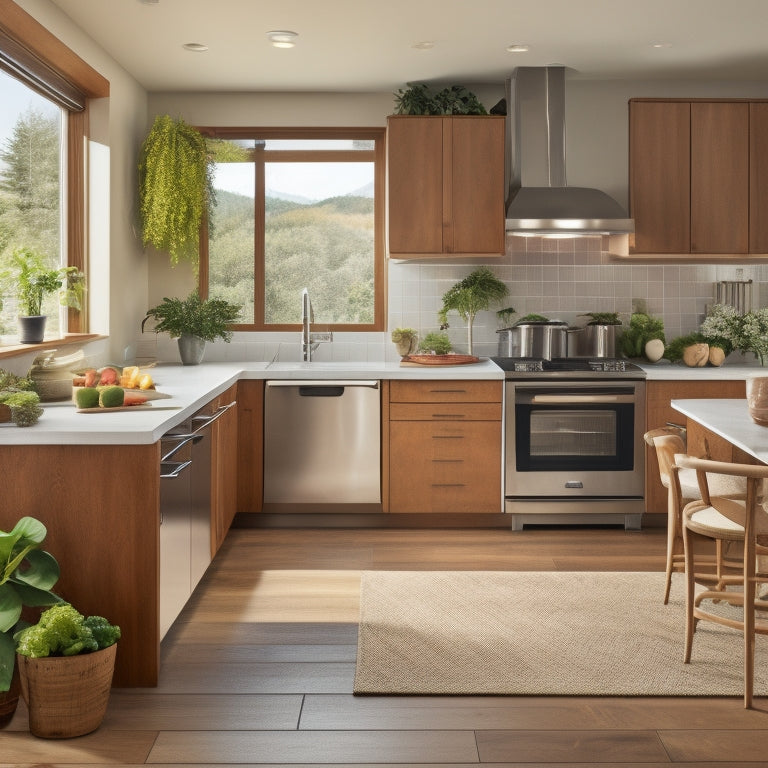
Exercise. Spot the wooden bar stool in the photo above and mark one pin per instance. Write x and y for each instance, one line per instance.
(682, 487)
(728, 520)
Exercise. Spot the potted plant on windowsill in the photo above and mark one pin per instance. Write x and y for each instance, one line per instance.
(27, 575)
(31, 279)
(194, 321)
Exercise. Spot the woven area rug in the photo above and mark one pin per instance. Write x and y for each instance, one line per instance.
(549, 633)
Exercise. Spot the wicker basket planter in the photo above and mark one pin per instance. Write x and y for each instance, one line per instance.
(66, 695)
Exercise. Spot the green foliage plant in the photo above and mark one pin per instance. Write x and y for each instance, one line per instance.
(642, 329)
(602, 318)
(207, 319)
(24, 406)
(675, 349)
(417, 99)
(64, 631)
(471, 295)
(722, 327)
(175, 188)
(27, 576)
(533, 317)
(504, 316)
(437, 342)
(31, 279)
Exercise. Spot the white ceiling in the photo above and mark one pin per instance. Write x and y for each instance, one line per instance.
(367, 45)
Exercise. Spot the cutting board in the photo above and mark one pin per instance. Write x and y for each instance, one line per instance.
(421, 361)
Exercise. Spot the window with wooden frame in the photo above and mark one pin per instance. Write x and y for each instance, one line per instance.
(32, 58)
(297, 208)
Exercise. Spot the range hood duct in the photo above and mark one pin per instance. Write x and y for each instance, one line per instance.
(536, 136)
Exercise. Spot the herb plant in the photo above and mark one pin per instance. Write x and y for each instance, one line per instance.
(175, 187)
(437, 342)
(642, 329)
(207, 319)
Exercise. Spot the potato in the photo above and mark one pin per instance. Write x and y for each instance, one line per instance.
(696, 355)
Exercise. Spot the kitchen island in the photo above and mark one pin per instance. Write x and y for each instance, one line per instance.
(728, 420)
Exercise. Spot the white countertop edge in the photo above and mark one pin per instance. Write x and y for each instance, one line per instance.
(730, 420)
(194, 386)
(679, 372)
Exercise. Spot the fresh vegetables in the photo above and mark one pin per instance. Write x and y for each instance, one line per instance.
(111, 397)
(642, 329)
(87, 397)
(64, 631)
(130, 377)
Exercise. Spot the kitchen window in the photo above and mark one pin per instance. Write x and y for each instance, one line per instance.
(45, 89)
(297, 208)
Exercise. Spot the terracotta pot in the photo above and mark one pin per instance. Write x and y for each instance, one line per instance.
(66, 696)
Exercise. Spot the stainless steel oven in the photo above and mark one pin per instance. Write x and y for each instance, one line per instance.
(574, 450)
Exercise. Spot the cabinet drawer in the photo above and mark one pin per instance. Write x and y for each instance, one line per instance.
(435, 391)
(445, 467)
(445, 411)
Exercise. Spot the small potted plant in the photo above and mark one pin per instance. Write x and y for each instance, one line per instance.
(471, 295)
(405, 339)
(436, 342)
(194, 321)
(31, 279)
(27, 575)
(66, 662)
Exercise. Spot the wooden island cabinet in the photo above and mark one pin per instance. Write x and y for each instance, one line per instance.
(101, 506)
(659, 413)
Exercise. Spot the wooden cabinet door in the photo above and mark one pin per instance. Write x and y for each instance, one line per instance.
(415, 184)
(719, 177)
(758, 177)
(476, 194)
(250, 445)
(659, 175)
(223, 469)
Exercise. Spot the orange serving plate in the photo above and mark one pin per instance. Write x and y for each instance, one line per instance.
(440, 359)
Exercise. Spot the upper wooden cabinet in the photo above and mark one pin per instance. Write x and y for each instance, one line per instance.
(698, 175)
(446, 186)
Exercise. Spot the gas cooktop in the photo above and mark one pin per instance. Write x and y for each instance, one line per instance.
(569, 367)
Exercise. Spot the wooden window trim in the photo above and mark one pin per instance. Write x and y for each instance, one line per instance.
(377, 155)
(46, 51)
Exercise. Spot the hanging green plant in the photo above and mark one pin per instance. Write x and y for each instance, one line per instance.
(175, 187)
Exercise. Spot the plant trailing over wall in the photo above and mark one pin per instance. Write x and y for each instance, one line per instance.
(419, 100)
(471, 295)
(175, 187)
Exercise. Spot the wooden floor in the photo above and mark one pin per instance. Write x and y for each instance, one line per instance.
(259, 669)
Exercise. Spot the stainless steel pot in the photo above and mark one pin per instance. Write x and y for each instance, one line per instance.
(538, 340)
(599, 341)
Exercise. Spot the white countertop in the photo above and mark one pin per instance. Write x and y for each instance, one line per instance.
(666, 371)
(729, 419)
(191, 387)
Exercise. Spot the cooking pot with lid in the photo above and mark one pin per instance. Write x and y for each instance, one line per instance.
(540, 340)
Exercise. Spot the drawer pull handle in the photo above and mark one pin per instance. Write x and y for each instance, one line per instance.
(448, 391)
(448, 415)
(447, 437)
(447, 461)
(447, 485)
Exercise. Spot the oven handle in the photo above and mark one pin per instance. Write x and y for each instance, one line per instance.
(578, 399)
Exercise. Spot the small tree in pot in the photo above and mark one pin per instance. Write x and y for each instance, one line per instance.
(471, 295)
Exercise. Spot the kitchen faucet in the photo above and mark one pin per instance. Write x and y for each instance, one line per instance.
(309, 340)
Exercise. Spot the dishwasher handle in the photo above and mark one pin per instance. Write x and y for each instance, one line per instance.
(181, 440)
(370, 384)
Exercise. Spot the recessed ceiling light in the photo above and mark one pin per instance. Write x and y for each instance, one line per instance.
(282, 38)
(518, 48)
(661, 45)
(196, 47)
(424, 45)
(150, 2)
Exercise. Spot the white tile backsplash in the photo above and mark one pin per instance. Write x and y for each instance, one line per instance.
(558, 278)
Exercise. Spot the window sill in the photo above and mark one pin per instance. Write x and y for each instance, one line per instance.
(14, 350)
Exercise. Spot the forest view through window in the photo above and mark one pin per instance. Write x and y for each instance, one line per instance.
(31, 135)
(298, 212)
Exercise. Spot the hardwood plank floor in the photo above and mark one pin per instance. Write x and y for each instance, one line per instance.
(258, 670)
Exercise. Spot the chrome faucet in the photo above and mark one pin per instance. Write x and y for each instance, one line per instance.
(309, 340)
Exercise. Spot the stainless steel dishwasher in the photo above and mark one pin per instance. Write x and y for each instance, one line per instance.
(322, 446)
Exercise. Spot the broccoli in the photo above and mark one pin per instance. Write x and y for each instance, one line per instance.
(63, 631)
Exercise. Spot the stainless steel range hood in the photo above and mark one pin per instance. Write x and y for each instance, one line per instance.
(536, 149)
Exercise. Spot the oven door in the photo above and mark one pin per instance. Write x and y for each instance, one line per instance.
(574, 439)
